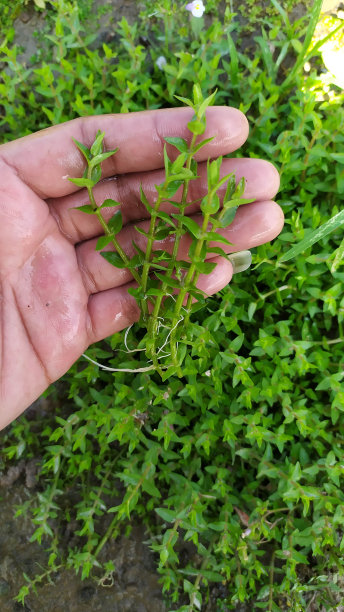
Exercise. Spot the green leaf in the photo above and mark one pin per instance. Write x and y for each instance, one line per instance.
(185, 101)
(165, 217)
(96, 174)
(83, 149)
(213, 172)
(98, 159)
(228, 216)
(339, 157)
(205, 267)
(212, 576)
(178, 163)
(240, 188)
(97, 144)
(170, 282)
(83, 182)
(141, 231)
(181, 352)
(196, 127)
(197, 94)
(235, 202)
(230, 189)
(191, 225)
(149, 487)
(204, 105)
(179, 143)
(237, 343)
(338, 257)
(116, 222)
(167, 162)
(102, 242)
(172, 187)
(135, 262)
(109, 203)
(325, 229)
(167, 515)
(183, 173)
(202, 144)
(161, 255)
(210, 204)
(217, 237)
(162, 233)
(144, 200)
(113, 258)
(86, 208)
(136, 292)
(218, 251)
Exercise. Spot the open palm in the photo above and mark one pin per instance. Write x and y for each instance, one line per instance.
(57, 294)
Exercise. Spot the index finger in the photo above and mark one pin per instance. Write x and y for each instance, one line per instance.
(45, 160)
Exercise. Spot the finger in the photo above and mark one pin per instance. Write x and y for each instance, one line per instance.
(253, 225)
(261, 183)
(113, 310)
(45, 160)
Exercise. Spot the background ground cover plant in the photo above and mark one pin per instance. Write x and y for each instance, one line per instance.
(242, 458)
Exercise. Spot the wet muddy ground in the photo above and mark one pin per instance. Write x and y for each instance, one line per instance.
(134, 586)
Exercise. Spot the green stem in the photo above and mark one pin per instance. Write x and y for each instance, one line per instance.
(108, 232)
(188, 279)
(150, 242)
(153, 324)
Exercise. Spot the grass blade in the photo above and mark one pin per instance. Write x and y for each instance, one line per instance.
(283, 14)
(314, 237)
(234, 59)
(315, 14)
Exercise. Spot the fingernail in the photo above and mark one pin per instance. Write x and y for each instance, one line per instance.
(240, 261)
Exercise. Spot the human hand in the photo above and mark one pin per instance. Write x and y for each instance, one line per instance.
(58, 295)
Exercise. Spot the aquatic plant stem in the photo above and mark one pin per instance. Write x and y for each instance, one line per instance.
(184, 290)
(152, 329)
(108, 232)
(149, 248)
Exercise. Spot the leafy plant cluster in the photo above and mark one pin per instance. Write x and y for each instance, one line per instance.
(158, 273)
(239, 461)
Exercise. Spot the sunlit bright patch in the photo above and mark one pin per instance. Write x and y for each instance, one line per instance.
(333, 49)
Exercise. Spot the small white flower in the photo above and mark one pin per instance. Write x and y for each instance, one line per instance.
(161, 62)
(196, 8)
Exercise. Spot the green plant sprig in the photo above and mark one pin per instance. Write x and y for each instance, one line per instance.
(158, 273)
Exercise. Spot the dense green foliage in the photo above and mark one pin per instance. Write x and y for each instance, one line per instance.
(164, 317)
(243, 455)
